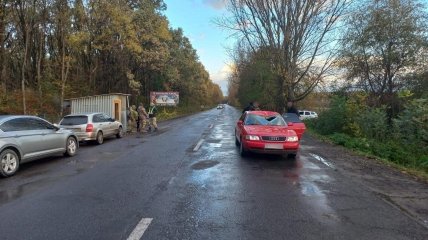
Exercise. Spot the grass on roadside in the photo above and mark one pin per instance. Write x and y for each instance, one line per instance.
(407, 159)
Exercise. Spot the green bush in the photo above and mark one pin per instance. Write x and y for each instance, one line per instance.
(411, 126)
(350, 123)
(332, 120)
(373, 123)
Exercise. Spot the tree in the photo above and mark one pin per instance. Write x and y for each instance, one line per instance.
(382, 46)
(299, 36)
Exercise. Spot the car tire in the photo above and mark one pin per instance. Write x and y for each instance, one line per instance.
(292, 155)
(9, 163)
(100, 138)
(71, 147)
(236, 140)
(120, 133)
(242, 151)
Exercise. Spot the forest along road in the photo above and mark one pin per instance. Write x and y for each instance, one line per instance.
(187, 181)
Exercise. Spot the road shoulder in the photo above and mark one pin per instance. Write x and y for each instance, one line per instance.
(397, 188)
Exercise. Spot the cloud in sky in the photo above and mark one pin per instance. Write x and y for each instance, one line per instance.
(221, 77)
(216, 4)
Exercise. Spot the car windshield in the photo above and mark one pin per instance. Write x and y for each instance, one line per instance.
(274, 120)
(74, 120)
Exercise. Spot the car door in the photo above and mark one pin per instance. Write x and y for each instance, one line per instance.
(239, 126)
(110, 125)
(26, 135)
(98, 122)
(54, 140)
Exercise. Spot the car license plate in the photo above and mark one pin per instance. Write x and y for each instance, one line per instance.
(273, 146)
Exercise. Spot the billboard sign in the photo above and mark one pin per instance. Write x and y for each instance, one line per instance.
(169, 99)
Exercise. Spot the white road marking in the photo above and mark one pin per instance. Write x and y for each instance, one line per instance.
(198, 145)
(325, 162)
(140, 229)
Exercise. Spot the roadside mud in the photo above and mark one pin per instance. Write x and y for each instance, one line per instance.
(404, 191)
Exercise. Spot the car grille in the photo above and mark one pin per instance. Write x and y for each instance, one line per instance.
(273, 139)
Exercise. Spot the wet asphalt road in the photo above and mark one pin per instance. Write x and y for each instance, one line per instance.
(208, 192)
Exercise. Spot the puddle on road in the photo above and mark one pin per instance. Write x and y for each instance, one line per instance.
(321, 159)
(204, 164)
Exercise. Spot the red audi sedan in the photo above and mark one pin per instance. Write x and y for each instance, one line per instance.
(265, 132)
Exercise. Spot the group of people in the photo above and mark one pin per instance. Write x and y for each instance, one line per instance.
(139, 117)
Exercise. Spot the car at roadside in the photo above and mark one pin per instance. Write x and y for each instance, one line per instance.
(305, 114)
(26, 138)
(295, 123)
(265, 132)
(92, 126)
(220, 106)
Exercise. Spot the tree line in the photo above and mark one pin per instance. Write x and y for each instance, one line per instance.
(288, 49)
(51, 50)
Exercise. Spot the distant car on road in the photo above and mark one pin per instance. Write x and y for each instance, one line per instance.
(27, 138)
(304, 114)
(295, 123)
(265, 132)
(92, 126)
(220, 106)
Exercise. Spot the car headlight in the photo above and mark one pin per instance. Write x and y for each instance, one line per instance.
(292, 139)
(252, 138)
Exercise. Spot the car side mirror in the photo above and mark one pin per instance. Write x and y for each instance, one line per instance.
(240, 122)
(112, 120)
(290, 124)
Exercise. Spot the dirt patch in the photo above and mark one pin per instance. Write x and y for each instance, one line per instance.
(406, 192)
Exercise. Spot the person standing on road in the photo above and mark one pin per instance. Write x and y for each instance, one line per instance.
(152, 117)
(142, 118)
(250, 107)
(133, 115)
(291, 108)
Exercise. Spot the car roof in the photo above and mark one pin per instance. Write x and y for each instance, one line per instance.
(263, 113)
(4, 118)
(83, 114)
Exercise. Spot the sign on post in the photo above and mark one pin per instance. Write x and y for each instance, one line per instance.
(169, 99)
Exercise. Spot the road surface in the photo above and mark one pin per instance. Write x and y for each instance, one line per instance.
(187, 181)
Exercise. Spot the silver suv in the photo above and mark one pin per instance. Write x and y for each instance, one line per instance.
(92, 126)
(27, 138)
(304, 114)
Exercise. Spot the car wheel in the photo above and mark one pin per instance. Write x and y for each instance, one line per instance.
(292, 155)
(120, 133)
(71, 147)
(242, 150)
(9, 163)
(100, 138)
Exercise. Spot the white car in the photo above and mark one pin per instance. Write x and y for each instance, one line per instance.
(304, 114)
(92, 126)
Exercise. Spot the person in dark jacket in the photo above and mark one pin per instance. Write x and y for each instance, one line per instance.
(250, 107)
(291, 108)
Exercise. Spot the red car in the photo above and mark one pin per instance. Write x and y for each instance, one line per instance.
(265, 132)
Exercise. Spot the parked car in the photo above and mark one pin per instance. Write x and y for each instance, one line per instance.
(92, 126)
(295, 123)
(220, 106)
(304, 114)
(27, 138)
(265, 132)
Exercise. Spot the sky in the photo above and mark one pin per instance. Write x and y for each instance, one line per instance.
(196, 18)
